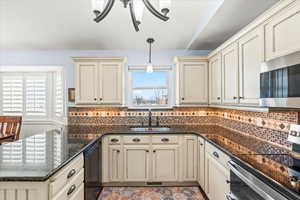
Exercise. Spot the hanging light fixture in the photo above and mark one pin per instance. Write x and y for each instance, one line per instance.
(149, 64)
(101, 8)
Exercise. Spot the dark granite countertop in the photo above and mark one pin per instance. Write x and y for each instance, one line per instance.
(58, 147)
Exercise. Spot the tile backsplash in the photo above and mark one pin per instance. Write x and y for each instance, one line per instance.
(269, 126)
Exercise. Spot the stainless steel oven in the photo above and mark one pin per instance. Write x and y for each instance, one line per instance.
(245, 186)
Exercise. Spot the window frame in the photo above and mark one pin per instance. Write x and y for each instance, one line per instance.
(129, 86)
(51, 73)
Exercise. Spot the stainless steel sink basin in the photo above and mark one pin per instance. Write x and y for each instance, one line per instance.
(150, 129)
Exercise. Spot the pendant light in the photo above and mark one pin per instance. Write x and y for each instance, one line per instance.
(150, 65)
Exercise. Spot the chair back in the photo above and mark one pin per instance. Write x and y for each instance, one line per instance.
(10, 128)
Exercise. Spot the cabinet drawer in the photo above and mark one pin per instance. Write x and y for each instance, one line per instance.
(66, 175)
(114, 140)
(165, 139)
(219, 156)
(136, 139)
(73, 190)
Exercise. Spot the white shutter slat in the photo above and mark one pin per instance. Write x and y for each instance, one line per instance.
(36, 149)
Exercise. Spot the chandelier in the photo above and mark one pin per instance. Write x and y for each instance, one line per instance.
(101, 8)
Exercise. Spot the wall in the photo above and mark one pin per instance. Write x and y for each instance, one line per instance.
(63, 58)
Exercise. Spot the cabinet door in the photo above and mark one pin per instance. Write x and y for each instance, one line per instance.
(194, 83)
(230, 74)
(216, 187)
(165, 163)
(136, 160)
(86, 83)
(201, 162)
(110, 83)
(282, 33)
(250, 57)
(189, 158)
(215, 71)
(115, 163)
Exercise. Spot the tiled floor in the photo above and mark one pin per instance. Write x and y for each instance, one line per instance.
(151, 193)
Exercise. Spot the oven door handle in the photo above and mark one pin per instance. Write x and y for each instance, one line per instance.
(254, 183)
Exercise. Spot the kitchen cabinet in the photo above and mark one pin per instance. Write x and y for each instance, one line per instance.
(217, 173)
(99, 81)
(215, 74)
(192, 80)
(282, 32)
(115, 163)
(250, 59)
(230, 74)
(189, 158)
(136, 163)
(165, 163)
(201, 162)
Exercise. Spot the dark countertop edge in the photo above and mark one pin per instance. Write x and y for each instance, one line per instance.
(51, 173)
(270, 182)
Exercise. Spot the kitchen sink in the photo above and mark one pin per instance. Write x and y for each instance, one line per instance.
(150, 129)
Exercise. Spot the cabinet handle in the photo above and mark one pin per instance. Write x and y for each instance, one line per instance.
(71, 189)
(165, 139)
(136, 139)
(71, 173)
(114, 140)
(216, 154)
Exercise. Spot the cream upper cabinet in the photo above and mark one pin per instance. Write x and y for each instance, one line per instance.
(230, 74)
(86, 77)
(282, 32)
(192, 77)
(165, 163)
(110, 78)
(99, 80)
(250, 59)
(215, 77)
(136, 163)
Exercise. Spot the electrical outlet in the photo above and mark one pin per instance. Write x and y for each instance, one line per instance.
(259, 122)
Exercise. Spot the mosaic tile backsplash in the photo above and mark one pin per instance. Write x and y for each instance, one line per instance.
(270, 126)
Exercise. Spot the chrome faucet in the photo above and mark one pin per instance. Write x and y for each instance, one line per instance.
(150, 118)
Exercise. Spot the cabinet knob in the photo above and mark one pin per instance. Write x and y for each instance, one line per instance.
(219, 98)
(201, 144)
(234, 97)
(136, 139)
(154, 151)
(100, 99)
(118, 151)
(241, 97)
(71, 189)
(182, 98)
(95, 99)
(147, 151)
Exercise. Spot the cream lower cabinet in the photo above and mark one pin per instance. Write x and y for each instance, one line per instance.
(144, 158)
(99, 80)
(136, 163)
(165, 163)
(216, 173)
(66, 184)
(201, 162)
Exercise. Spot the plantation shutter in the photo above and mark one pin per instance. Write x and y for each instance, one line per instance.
(36, 94)
(36, 149)
(12, 153)
(59, 104)
(12, 94)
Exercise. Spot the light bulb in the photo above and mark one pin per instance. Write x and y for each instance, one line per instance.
(97, 5)
(149, 68)
(138, 9)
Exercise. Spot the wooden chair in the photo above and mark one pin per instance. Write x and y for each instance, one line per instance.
(10, 128)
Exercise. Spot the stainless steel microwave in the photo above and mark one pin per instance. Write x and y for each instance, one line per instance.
(280, 82)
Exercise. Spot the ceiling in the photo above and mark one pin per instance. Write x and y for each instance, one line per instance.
(66, 25)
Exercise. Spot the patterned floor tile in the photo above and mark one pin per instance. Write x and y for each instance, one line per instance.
(151, 193)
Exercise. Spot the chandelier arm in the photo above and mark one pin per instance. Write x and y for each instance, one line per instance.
(105, 11)
(154, 11)
(133, 18)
